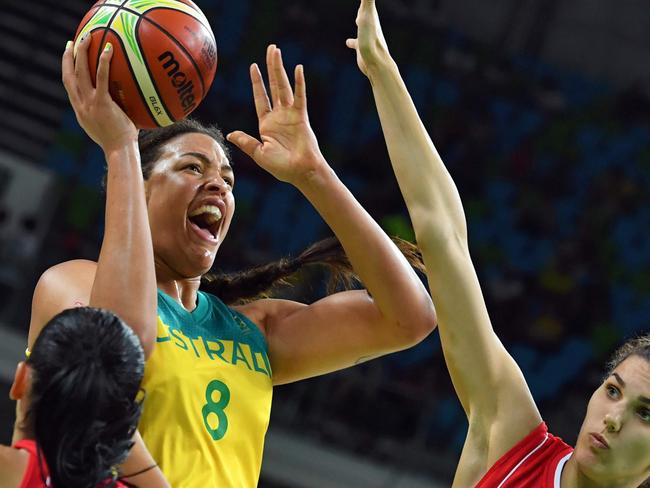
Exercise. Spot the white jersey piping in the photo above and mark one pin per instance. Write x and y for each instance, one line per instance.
(512, 471)
(558, 470)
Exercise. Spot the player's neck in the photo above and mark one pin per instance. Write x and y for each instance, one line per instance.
(183, 291)
(572, 477)
(19, 433)
(17, 436)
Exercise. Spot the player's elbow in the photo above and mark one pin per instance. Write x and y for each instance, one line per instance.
(436, 240)
(417, 326)
(146, 332)
(425, 324)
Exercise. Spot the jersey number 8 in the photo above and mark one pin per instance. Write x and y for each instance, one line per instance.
(217, 408)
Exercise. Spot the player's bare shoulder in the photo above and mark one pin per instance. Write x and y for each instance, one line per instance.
(74, 277)
(13, 462)
(62, 286)
(266, 311)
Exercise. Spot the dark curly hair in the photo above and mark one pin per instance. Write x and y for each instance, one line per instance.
(152, 141)
(87, 366)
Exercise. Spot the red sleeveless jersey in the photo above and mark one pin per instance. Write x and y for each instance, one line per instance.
(535, 461)
(34, 476)
(38, 476)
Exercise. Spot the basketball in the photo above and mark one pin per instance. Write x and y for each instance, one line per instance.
(164, 56)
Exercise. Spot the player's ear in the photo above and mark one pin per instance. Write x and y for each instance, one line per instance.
(21, 381)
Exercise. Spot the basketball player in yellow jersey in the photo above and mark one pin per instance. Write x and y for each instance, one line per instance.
(214, 398)
(169, 204)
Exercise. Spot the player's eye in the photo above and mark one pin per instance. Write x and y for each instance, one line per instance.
(196, 168)
(613, 392)
(644, 414)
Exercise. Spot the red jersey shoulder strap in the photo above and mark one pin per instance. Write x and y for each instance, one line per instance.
(538, 459)
(33, 477)
(515, 456)
(27, 445)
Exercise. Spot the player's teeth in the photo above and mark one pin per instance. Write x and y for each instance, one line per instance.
(213, 213)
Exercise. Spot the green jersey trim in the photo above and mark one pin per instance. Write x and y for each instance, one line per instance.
(212, 320)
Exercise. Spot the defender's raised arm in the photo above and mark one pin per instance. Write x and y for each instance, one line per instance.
(488, 382)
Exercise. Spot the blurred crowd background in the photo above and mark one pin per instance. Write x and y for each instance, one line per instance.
(541, 111)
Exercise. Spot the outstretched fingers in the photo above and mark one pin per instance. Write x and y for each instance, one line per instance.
(366, 7)
(285, 94)
(282, 93)
(261, 98)
(273, 82)
(300, 101)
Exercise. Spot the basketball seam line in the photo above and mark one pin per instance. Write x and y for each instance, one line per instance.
(164, 31)
(126, 58)
(185, 51)
(99, 51)
(173, 39)
(135, 78)
(142, 14)
(151, 77)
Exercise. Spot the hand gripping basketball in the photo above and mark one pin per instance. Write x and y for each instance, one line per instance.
(102, 119)
(164, 60)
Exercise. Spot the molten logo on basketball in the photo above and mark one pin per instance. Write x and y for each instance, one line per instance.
(184, 87)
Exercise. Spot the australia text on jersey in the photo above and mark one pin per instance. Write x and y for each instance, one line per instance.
(229, 351)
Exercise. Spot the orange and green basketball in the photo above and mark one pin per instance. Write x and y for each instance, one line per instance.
(164, 59)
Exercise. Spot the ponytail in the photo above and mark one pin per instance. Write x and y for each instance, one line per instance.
(258, 282)
(87, 366)
(88, 441)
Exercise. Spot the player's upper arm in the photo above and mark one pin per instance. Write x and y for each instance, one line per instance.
(63, 286)
(336, 332)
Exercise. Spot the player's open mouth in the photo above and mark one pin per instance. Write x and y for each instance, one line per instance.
(205, 221)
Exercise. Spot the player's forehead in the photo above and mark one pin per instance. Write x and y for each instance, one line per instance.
(195, 141)
(202, 147)
(633, 373)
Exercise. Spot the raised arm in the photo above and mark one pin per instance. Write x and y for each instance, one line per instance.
(123, 280)
(488, 382)
(349, 327)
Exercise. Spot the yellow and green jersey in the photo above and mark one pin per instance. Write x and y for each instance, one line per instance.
(209, 390)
